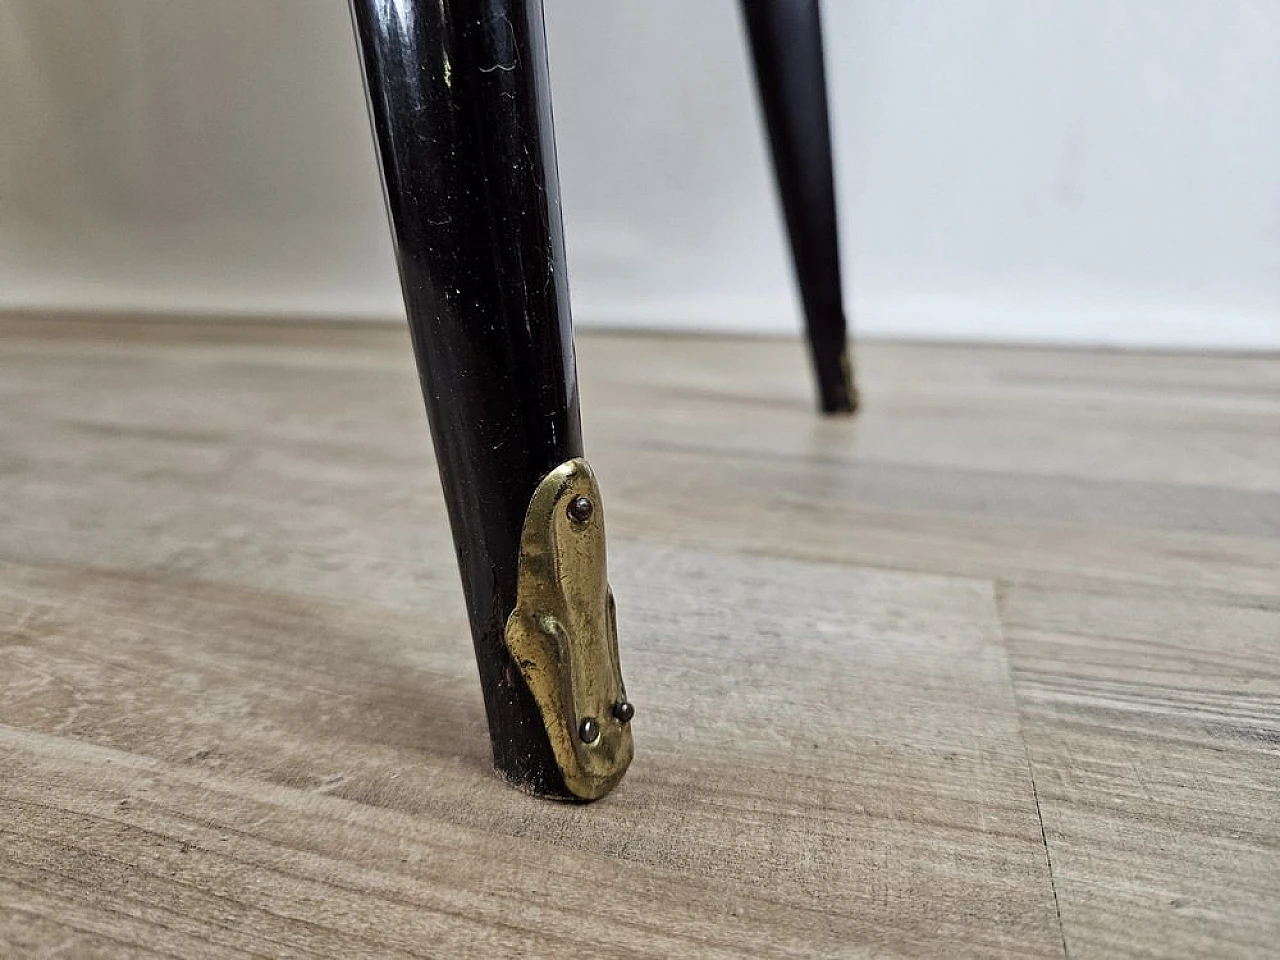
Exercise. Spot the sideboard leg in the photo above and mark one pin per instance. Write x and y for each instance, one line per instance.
(786, 48)
(459, 99)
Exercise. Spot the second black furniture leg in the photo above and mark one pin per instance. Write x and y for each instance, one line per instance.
(458, 94)
(786, 47)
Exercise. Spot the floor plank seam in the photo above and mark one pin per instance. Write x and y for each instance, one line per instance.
(997, 602)
(1048, 857)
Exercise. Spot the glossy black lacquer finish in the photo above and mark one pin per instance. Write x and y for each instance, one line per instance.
(458, 93)
(786, 45)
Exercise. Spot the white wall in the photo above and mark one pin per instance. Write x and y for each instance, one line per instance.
(1078, 170)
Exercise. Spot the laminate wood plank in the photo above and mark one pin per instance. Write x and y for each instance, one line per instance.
(1154, 733)
(830, 766)
(1194, 419)
(792, 507)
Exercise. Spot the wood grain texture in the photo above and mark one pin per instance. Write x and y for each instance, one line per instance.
(990, 671)
(1154, 732)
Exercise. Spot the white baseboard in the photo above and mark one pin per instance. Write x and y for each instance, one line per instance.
(1082, 324)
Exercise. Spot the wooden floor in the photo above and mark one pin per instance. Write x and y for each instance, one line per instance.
(992, 670)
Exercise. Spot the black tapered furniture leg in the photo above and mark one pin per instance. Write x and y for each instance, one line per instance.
(786, 47)
(459, 101)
